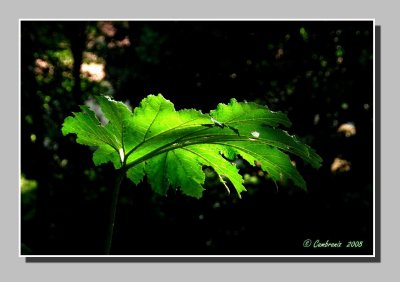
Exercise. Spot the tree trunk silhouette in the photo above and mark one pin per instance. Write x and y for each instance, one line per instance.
(77, 35)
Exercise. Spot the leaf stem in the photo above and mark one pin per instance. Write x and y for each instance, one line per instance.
(167, 147)
(113, 209)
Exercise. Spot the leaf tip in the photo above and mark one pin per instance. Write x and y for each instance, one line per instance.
(233, 101)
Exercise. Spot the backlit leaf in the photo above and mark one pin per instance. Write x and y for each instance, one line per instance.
(172, 147)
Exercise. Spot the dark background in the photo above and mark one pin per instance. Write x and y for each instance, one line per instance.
(319, 73)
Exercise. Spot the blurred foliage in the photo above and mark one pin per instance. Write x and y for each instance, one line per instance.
(319, 73)
(28, 198)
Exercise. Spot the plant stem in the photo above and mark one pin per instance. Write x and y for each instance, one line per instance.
(113, 209)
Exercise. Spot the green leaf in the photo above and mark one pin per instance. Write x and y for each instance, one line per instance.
(172, 147)
(106, 153)
(211, 155)
(169, 168)
(180, 163)
(117, 113)
(88, 129)
(136, 173)
(243, 114)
